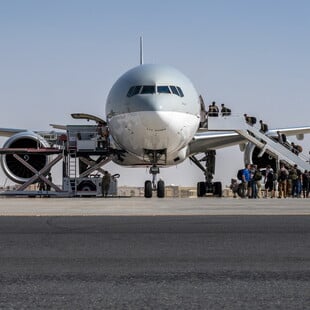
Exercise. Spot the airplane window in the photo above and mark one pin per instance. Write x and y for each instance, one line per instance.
(180, 91)
(134, 90)
(174, 90)
(148, 89)
(163, 89)
(130, 91)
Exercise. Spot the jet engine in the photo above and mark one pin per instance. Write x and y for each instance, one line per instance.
(251, 156)
(12, 167)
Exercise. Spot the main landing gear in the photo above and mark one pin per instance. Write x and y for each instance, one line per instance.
(207, 187)
(154, 185)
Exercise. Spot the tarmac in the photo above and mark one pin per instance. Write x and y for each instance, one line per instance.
(134, 206)
(137, 253)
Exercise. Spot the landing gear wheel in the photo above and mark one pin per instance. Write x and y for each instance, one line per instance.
(160, 189)
(217, 189)
(148, 189)
(201, 189)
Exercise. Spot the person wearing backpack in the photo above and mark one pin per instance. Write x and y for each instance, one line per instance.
(294, 177)
(282, 179)
(224, 110)
(257, 177)
(213, 109)
(269, 182)
(263, 127)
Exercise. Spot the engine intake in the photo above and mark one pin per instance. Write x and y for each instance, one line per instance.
(251, 156)
(12, 167)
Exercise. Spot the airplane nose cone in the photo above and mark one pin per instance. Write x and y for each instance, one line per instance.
(149, 103)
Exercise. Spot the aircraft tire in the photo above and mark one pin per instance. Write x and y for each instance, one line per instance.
(148, 189)
(160, 189)
(217, 189)
(201, 189)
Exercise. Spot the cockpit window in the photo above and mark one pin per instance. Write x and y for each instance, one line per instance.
(174, 90)
(180, 91)
(134, 90)
(163, 90)
(148, 89)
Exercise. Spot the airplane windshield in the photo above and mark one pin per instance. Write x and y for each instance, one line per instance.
(151, 89)
(134, 90)
(174, 90)
(148, 89)
(180, 91)
(163, 90)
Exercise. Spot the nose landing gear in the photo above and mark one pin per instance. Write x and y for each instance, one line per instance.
(150, 186)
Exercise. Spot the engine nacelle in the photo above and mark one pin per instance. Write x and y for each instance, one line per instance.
(13, 168)
(251, 153)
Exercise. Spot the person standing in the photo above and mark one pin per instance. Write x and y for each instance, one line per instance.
(246, 178)
(251, 120)
(102, 135)
(263, 127)
(49, 177)
(213, 109)
(41, 185)
(269, 182)
(280, 139)
(305, 184)
(48, 186)
(294, 177)
(282, 179)
(105, 183)
(257, 182)
(224, 110)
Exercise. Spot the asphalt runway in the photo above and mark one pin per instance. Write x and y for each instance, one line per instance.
(172, 261)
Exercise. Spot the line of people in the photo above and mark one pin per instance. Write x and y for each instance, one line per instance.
(281, 137)
(287, 182)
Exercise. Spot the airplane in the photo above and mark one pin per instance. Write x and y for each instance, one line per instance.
(155, 118)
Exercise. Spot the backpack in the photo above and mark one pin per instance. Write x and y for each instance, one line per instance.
(270, 176)
(253, 120)
(239, 174)
(293, 174)
(283, 175)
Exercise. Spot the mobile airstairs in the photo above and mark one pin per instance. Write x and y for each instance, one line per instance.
(266, 143)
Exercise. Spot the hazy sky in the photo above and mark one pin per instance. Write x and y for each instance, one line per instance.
(60, 57)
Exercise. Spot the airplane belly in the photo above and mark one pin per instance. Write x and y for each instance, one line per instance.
(136, 132)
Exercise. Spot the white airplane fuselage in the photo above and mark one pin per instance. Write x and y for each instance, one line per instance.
(153, 112)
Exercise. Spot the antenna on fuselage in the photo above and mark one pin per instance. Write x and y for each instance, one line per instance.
(141, 50)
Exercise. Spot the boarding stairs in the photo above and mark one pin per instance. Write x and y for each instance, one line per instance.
(252, 133)
(72, 170)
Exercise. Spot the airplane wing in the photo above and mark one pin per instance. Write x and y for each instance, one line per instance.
(299, 132)
(8, 132)
(205, 140)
